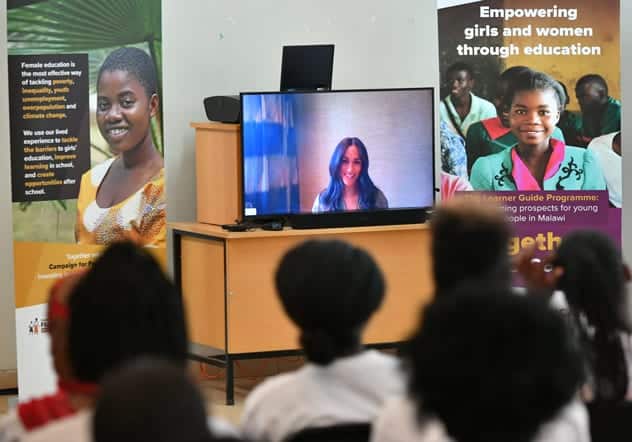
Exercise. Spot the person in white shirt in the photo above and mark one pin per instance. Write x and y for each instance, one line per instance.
(608, 151)
(487, 365)
(71, 392)
(469, 246)
(571, 424)
(329, 289)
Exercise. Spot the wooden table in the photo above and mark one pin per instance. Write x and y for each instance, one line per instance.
(227, 280)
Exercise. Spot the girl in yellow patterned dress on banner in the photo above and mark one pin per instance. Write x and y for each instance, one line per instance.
(124, 196)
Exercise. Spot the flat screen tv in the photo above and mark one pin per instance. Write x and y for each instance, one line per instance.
(307, 68)
(338, 158)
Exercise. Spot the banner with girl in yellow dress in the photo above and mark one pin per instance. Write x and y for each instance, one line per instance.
(86, 149)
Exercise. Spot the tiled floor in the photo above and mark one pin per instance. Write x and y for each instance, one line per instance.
(248, 375)
(215, 395)
(7, 401)
(4, 404)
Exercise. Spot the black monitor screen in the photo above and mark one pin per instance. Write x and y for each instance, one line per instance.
(337, 151)
(307, 68)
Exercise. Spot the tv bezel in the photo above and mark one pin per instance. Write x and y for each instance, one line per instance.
(355, 218)
(330, 65)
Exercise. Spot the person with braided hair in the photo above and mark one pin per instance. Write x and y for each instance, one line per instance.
(329, 289)
(589, 269)
(594, 281)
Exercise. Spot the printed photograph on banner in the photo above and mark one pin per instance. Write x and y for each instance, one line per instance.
(531, 103)
(86, 147)
(86, 122)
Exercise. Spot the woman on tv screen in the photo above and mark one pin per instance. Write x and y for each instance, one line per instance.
(350, 187)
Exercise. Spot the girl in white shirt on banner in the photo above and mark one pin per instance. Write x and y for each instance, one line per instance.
(607, 149)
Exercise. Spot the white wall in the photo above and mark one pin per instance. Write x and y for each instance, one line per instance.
(222, 47)
(7, 305)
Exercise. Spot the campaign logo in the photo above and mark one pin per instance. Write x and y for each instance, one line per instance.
(38, 326)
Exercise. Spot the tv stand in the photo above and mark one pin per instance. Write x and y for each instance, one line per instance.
(227, 281)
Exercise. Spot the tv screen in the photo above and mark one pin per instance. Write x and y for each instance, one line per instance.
(338, 157)
(306, 68)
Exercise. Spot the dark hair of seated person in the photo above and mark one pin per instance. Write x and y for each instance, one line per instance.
(329, 289)
(594, 283)
(152, 400)
(123, 308)
(491, 365)
(470, 240)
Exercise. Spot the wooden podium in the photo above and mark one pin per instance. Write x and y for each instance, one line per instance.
(227, 277)
(217, 172)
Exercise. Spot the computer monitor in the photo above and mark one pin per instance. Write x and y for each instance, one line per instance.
(307, 68)
(338, 158)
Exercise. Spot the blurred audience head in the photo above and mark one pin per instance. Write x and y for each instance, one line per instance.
(124, 307)
(491, 365)
(150, 400)
(329, 289)
(470, 240)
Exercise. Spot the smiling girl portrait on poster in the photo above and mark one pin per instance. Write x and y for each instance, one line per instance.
(537, 161)
(124, 196)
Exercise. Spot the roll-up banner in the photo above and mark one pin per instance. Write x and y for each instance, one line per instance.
(530, 113)
(86, 150)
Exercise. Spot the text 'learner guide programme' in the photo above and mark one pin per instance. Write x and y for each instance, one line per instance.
(50, 125)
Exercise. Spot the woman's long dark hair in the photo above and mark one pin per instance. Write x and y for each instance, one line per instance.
(332, 196)
(594, 284)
